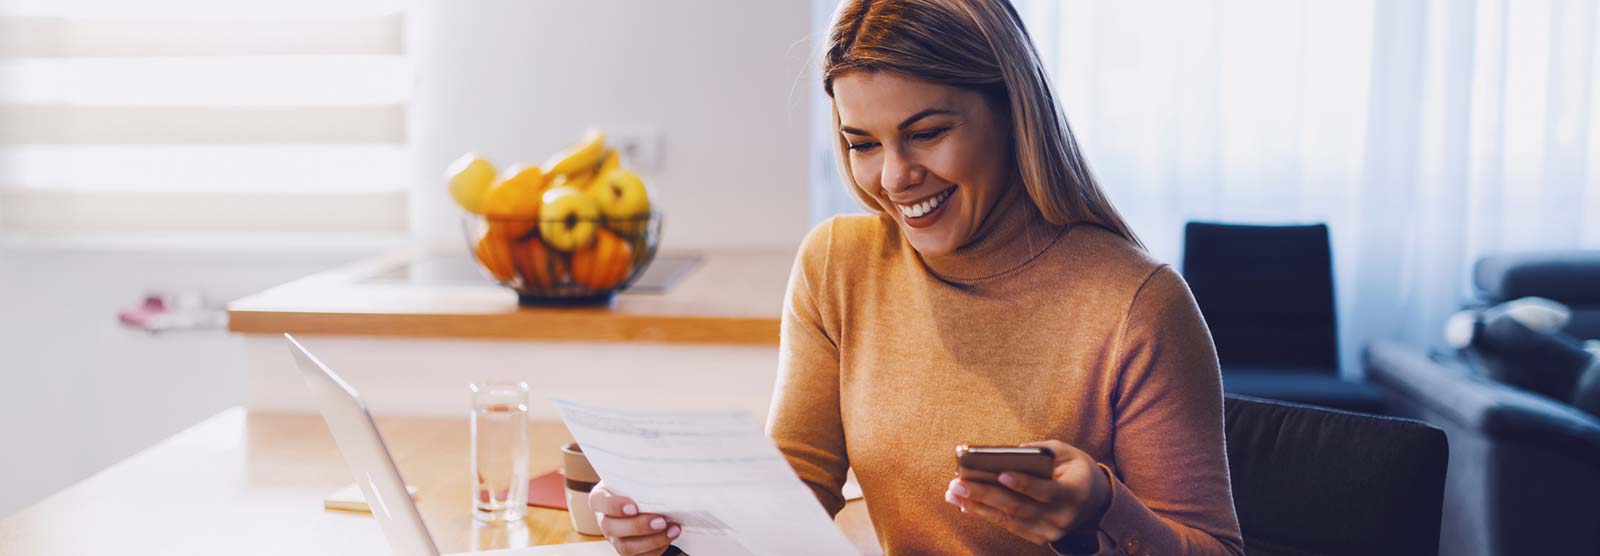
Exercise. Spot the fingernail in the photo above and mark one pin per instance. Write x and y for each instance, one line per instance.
(674, 532)
(630, 509)
(658, 524)
(951, 498)
(1007, 479)
(958, 490)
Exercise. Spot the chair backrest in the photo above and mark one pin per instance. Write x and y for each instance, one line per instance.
(1308, 480)
(1266, 293)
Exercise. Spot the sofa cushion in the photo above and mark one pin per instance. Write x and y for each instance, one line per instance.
(1564, 276)
(1313, 481)
(1466, 401)
(1511, 353)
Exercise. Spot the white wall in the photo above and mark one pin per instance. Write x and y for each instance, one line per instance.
(78, 392)
(723, 81)
(429, 376)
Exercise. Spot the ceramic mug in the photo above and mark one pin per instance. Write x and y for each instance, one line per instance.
(581, 479)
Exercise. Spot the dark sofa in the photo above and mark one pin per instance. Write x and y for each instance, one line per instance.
(1524, 470)
(1524, 474)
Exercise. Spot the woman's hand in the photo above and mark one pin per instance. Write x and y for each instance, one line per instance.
(630, 532)
(1039, 510)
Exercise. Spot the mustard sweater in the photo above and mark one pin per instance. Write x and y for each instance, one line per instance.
(1032, 332)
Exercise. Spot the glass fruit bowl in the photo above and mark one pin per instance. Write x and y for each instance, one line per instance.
(571, 261)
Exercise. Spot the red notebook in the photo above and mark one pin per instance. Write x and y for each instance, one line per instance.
(548, 490)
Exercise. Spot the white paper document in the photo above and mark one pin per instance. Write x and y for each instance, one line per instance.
(714, 472)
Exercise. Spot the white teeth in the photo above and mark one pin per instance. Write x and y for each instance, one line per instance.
(925, 207)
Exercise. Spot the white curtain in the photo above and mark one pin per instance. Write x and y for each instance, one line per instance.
(1425, 133)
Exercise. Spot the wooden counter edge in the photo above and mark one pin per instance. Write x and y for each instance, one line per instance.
(546, 325)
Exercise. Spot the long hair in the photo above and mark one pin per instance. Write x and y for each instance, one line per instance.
(980, 45)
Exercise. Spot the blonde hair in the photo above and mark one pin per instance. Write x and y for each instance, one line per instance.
(980, 45)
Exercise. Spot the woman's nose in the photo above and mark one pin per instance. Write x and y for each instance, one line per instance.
(900, 173)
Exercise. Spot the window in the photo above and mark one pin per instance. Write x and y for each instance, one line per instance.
(190, 115)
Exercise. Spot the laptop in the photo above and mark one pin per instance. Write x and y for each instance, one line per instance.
(374, 471)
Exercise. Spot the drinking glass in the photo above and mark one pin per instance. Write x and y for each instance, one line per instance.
(500, 450)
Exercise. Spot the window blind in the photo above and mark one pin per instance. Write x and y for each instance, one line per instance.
(191, 115)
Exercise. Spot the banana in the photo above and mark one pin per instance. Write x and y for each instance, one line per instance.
(580, 180)
(583, 156)
(610, 161)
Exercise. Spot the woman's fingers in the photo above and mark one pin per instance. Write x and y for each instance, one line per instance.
(1038, 509)
(649, 545)
(1000, 498)
(1035, 531)
(603, 501)
(631, 533)
(636, 526)
(1040, 490)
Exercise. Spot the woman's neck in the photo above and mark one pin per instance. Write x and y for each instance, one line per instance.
(1010, 236)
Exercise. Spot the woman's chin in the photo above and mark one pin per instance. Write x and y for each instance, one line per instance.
(929, 241)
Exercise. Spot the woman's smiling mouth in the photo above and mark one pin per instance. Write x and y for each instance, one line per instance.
(921, 213)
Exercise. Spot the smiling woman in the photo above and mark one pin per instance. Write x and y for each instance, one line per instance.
(994, 298)
(936, 159)
(995, 87)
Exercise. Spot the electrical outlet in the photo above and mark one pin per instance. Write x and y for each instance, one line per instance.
(640, 149)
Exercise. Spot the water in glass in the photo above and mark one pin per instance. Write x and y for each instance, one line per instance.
(500, 451)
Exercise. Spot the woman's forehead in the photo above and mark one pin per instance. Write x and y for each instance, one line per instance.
(882, 100)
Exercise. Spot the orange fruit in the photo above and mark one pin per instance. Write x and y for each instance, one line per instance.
(494, 253)
(534, 263)
(514, 200)
(603, 265)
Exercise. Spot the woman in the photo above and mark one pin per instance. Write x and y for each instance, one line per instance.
(995, 298)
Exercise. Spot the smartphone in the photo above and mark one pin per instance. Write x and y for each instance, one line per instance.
(983, 463)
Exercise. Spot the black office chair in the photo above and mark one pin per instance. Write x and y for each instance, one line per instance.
(1308, 480)
(1267, 294)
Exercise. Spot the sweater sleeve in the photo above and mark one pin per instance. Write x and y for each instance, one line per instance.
(1170, 493)
(805, 420)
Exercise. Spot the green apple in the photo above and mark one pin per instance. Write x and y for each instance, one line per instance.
(568, 219)
(623, 200)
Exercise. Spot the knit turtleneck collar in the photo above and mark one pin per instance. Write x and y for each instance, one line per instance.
(1012, 235)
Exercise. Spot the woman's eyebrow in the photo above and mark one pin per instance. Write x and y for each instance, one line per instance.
(923, 114)
(905, 124)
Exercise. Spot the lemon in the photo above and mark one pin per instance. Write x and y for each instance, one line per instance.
(470, 177)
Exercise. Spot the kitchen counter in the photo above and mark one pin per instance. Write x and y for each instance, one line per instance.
(411, 328)
(715, 297)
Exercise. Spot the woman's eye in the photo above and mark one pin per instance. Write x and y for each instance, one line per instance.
(928, 135)
(863, 146)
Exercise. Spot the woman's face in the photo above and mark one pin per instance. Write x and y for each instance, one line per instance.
(936, 157)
